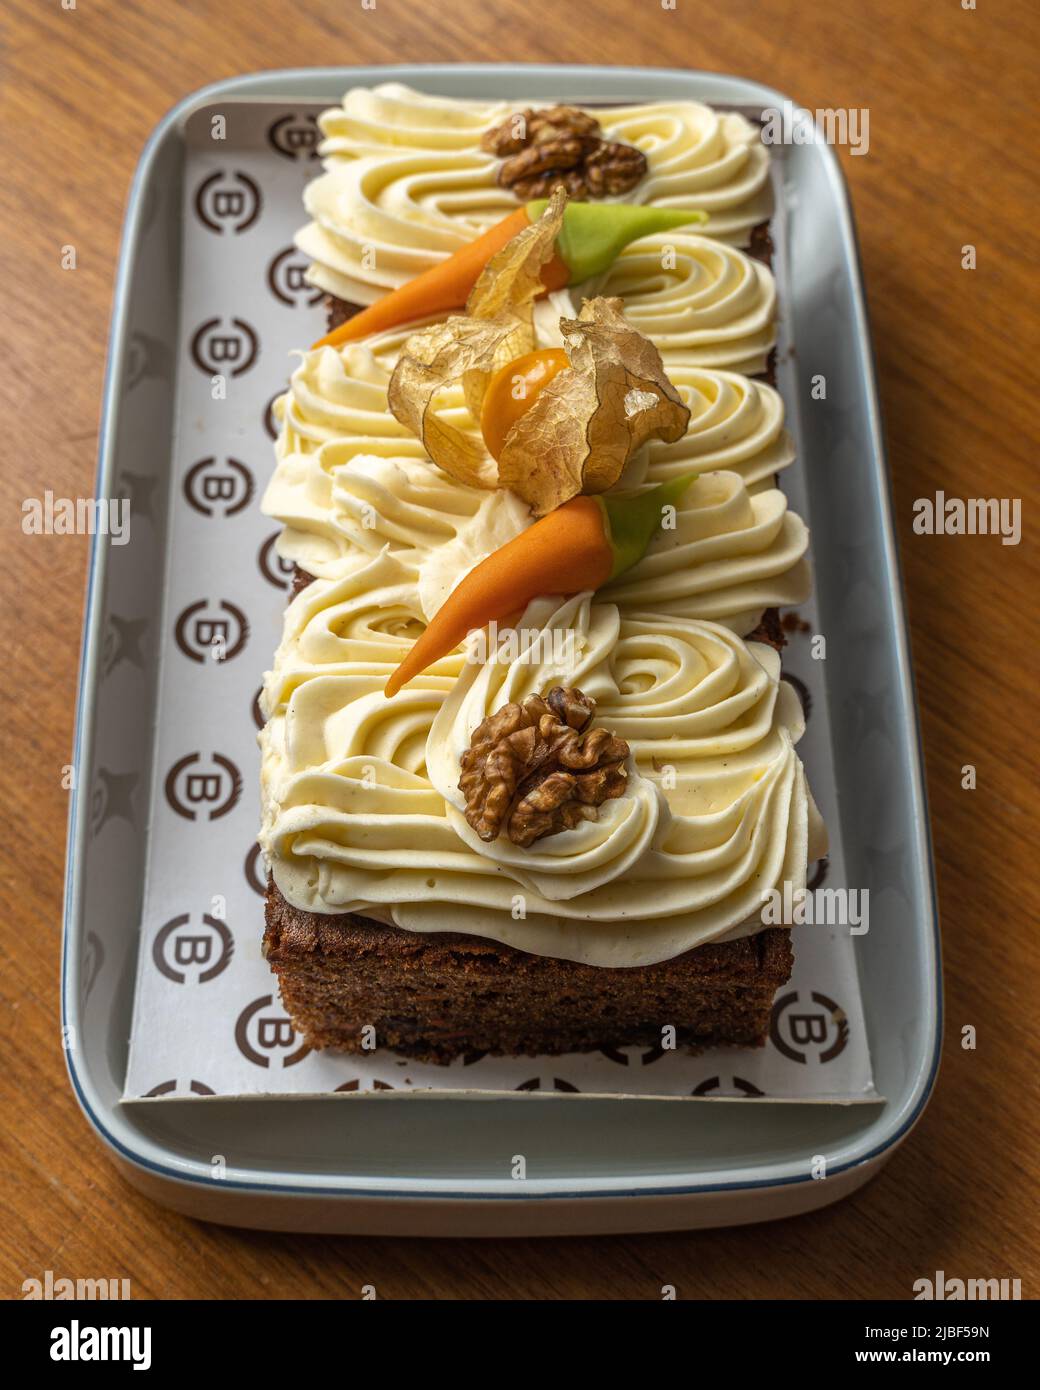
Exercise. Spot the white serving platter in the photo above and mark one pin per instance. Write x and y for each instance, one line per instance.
(404, 1165)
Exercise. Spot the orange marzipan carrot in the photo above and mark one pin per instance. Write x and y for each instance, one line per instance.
(563, 553)
(444, 286)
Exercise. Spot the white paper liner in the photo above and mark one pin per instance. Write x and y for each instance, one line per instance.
(207, 1019)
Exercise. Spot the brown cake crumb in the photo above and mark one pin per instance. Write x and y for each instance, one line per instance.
(794, 622)
(439, 996)
(770, 630)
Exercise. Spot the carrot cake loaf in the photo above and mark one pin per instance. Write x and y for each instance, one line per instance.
(529, 764)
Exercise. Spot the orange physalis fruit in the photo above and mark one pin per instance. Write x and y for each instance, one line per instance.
(513, 390)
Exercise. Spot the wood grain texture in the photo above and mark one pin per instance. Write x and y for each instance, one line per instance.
(952, 142)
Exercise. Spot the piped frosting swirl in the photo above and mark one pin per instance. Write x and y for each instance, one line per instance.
(363, 806)
(407, 184)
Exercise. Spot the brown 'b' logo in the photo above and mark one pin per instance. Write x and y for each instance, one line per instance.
(270, 423)
(252, 871)
(273, 567)
(803, 693)
(216, 490)
(203, 632)
(822, 1031)
(287, 280)
(175, 950)
(295, 136)
(217, 789)
(169, 1088)
(711, 1084)
(261, 1036)
(216, 349)
(228, 202)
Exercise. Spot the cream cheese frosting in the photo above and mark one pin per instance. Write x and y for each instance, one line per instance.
(362, 809)
(735, 424)
(350, 479)
(336, 408)
(701, 302)
(407, 184)
(726, 554)
(340, 394)
(339, 508)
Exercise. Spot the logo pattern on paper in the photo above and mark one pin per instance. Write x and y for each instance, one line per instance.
(228, 201)
(717, 1085)
(819, 875)
(187, 953)
(169, 1088)
(203, 788)
(206, 628)
(295, 136)
(275, 570)
(265, 1036)
(253, 874)
(287, 279)
(228, 346)
(270, 423)
(816, 1029)
(222, 488)
(803, 693)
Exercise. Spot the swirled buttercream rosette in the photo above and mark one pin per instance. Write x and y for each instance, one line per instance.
(405, 175)
(716, 806)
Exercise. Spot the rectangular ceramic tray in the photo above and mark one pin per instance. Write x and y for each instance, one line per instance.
(397, 1166)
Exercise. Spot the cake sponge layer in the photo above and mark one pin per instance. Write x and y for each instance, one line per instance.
(439, 996)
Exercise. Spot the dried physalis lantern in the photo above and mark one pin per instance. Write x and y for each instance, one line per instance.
(470, 348)
(586, 422)
(555, 423)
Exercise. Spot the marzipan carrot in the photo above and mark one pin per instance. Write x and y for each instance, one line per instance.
(563, 553)
(591, 238)
(581, 545)
(443, 287)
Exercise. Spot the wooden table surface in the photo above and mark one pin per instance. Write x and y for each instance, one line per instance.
(951, 142)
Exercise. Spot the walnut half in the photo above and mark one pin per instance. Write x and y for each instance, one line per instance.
(533, 127)
(537, 768)
(562, 145)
